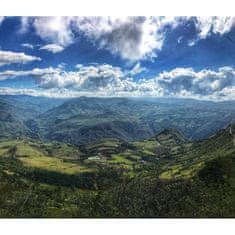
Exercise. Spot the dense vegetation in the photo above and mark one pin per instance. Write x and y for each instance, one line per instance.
(163, 176)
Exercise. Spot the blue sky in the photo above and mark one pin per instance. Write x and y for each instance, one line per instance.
(190, 57)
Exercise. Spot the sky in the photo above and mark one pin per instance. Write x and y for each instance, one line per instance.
(185, 57)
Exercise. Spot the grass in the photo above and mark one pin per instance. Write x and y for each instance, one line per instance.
(53, 164)
(120, 159)
(181, 172)
(105, 144)
(29, 154)
(147, 144)
(177, 160)
(187, 164)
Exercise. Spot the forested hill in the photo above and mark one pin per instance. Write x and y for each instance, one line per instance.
(163, 176)
(85, 120)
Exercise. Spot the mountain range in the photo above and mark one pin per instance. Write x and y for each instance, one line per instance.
(87, 119)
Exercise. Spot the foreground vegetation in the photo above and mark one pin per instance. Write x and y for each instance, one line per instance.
(164, 176)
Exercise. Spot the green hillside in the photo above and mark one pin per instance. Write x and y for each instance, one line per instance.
(163, 176)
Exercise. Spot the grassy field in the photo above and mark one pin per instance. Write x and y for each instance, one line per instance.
(117, 178)
(33, 155)
(197, 155)
(177, 158)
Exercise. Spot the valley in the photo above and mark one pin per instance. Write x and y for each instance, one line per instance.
(85, 120)
(96, 158)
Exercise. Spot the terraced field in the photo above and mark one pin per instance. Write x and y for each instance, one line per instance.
(169, 151)
(50, 157)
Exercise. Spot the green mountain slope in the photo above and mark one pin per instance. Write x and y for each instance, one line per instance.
(163, 176)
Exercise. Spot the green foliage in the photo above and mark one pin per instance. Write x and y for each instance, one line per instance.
(159, 177)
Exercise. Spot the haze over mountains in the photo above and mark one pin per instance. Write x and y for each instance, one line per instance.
(87, 119)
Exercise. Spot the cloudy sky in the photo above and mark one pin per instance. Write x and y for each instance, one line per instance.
(191, 57)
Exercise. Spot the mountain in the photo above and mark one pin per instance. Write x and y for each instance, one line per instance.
(85, 120)
(15, 110)
(32, 105)
(12, 121)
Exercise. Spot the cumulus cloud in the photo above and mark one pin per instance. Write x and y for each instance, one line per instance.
(54, 48)
(202, 83)
(215, 24)
(54, 29)
(108, 80)
(87, 78)
(9, 57)
(132, 38)
(206, 26)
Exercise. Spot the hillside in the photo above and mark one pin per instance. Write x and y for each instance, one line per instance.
(178, 178)
(30, 105)
(12, 121)
(85, 120)
(15, 110)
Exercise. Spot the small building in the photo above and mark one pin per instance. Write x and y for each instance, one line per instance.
(94, 158)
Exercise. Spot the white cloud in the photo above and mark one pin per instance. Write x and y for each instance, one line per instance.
(35, 73)
(1, 19)
(78, 66)
(27, 45)
(215, 24)
(88, 78)
(107, 80)
(25, 24)
(137, 69)
(54, 48)
(65, 93)
(9, 57)
(62, 65)
(202, 83)
(179, 39)
(208, 25)
(132, 38)
(54, 29)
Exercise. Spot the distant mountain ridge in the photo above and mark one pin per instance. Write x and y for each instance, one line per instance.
(88, 119)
